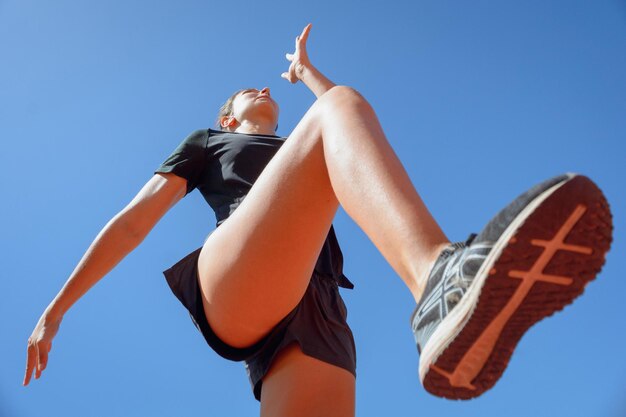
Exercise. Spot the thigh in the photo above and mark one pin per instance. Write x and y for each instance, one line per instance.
(299, 385)
(254, 269)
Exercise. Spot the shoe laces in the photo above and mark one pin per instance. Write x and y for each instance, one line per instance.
(453, 247)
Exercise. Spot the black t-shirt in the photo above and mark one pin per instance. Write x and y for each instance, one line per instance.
(224, 165)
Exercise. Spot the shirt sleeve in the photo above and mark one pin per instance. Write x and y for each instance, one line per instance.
(188, 160)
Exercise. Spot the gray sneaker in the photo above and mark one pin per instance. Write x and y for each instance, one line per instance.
(482, 295)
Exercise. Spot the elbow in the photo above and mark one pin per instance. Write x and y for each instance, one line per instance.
(130, 229)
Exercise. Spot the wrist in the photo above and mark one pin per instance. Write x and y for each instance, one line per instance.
(54, 312)
(316, 81)
(307, 72)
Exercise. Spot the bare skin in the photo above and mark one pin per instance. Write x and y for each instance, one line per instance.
(337, 154)
(299, 385)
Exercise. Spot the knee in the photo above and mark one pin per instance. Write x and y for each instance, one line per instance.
(339, 105)
(343, 96)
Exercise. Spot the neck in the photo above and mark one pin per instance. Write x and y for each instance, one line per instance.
(261, 128)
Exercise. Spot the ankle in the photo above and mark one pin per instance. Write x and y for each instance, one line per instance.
(422, 269)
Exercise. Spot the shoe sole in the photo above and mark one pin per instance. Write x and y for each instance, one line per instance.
(540, 264)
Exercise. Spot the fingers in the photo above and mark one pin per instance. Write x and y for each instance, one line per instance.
(42, 355)
(301, 41)
(36, 359)
(305, 33)
(31, 359)
(302, 38)
(299, 55)
(287, 76)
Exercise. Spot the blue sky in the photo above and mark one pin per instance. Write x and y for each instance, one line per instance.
(480, 100)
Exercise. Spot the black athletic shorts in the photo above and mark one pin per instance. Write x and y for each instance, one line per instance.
(317, 324)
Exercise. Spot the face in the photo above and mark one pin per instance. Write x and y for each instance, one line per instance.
(256, 106)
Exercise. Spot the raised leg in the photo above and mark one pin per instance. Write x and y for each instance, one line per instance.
(256, 266)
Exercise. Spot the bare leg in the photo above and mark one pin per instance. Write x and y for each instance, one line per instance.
(295, 384)
(375, 190)
(255, 268)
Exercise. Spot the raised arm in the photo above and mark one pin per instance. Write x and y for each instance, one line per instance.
(302, 69)
(120, 236)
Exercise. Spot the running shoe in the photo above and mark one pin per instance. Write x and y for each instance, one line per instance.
(531, 260)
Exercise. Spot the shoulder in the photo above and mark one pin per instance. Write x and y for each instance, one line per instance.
(219, 138)
(198, 139)
(212, 133)
(199, 136)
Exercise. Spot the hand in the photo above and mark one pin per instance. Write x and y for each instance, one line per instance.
(299, 59)
(39, 344)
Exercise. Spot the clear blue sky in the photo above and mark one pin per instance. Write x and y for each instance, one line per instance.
(481, 100)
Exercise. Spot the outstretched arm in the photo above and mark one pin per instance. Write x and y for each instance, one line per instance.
(121, 235)
(302, 69)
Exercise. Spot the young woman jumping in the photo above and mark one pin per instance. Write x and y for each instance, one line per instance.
(263, 288)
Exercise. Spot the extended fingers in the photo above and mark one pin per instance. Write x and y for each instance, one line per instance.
(31, 361)
(42, 358)
(301, 39)
(299, 55)
(305, 33)
(36, 359)
(289, 77)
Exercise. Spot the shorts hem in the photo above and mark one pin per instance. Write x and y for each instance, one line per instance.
(320, 314)
(258, 383)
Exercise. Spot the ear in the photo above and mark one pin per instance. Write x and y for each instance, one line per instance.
(227, 121)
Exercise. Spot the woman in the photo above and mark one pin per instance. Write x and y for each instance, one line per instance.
(263, 287)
